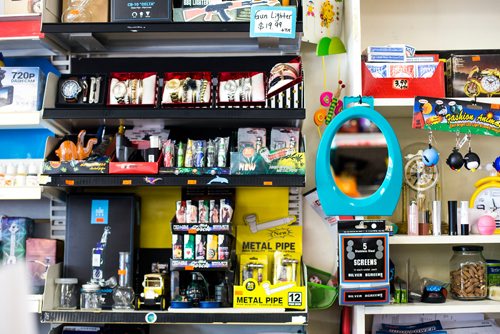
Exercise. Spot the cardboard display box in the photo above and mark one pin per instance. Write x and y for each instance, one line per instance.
(401, 87)
(483, 70)
(52, 165)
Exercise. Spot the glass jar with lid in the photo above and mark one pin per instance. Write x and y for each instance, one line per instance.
(66, 294)
(90, 297)
(468, 273)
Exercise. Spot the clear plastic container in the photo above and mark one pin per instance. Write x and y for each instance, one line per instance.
(90, 297)
(468, 273)
(66, 293)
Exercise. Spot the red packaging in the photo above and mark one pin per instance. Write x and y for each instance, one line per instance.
(40, 253)
(403, 87)
(117, 167)
(173, 86)
(231, 90)
(132, 89)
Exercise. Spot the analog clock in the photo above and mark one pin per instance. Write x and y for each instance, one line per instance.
(418, 176)
(490, 83)
(487, 194)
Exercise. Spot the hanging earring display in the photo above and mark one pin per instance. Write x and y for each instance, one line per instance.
(455, 159)
(471, 159)
(430, 156)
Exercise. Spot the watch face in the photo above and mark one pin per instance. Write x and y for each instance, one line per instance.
(230, 86)
(119, 89)
(70, 89)
(488, 199)
(37, 7)
(490, 83)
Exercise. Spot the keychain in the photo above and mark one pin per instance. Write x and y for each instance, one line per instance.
(455, 159)
(430, 156)
(472, 160)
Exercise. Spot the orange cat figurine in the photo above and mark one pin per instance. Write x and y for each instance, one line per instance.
(68, 150)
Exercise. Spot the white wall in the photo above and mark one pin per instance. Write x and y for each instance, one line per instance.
(427, 25)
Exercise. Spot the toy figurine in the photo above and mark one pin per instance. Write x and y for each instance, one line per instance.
(455, 160)
(69, 151)
(154, 290)
(472, 161)
(496, 164)
(430, 156)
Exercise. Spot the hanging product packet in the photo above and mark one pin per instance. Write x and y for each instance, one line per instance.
(363, 262)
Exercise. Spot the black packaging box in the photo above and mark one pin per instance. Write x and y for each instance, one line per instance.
(459, 67)
(121, 212)
(141, 11)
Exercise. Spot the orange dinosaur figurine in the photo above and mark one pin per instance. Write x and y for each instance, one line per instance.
(68, 151)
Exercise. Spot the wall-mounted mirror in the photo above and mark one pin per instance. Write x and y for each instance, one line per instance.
(382, 199)
(359, 157)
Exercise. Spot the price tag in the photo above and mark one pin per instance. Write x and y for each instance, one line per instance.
(273, 21)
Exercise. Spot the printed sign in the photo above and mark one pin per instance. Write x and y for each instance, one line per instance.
(99, 213)
(273, 21)
(456, 116)
(364, 258)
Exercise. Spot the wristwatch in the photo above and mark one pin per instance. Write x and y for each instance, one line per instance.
(70, 89)
(119, 91)
(230, 87)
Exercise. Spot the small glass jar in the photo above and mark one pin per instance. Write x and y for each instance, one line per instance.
(66, 294)
(468, 273)
(90, 297)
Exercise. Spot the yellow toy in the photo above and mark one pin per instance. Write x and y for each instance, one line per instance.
(485, 82)
(154, 290)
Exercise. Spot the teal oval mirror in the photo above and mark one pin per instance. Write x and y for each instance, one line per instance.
(384, 200)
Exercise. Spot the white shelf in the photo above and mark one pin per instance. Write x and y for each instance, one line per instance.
(34, 303)
(408, 102)
(451, 306)
(444, 239)
(20, 193)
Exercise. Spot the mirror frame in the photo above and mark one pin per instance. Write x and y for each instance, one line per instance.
(382, 202)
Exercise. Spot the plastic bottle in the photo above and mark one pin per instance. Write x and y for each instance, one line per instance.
(20, 178)
(10, 175)
(2, 175)
(32, 177)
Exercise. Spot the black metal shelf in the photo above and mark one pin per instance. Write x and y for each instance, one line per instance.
(202, 228)
(119, 27)
(164, 38)
(196, 315)
(99, 180)
(190, 265)
(79, 118)
(190, 114)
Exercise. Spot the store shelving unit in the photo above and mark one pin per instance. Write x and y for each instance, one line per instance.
(369, 23)
(90, 46)
(78, 118)
(110, 180)
(191, 316)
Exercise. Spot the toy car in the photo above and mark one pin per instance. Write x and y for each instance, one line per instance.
(153, 294)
